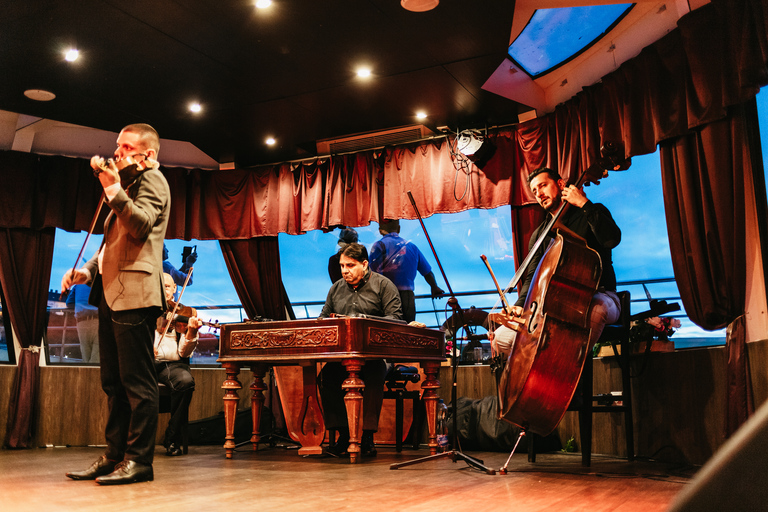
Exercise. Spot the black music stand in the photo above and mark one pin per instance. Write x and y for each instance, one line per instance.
(454, 454)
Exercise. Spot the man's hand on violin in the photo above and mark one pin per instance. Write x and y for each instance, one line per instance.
(193, 326)
(105, 170)
(574, 196)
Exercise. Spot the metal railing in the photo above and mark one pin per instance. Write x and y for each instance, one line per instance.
(63, 337)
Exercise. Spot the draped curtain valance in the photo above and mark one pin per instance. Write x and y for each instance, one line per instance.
(715, 59)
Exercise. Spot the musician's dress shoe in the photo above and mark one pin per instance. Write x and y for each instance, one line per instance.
(103, 466)
(127, 472)
(174, 450)
(367, 446)
(339, 448)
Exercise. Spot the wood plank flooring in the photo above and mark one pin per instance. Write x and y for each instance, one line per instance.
(278, 479)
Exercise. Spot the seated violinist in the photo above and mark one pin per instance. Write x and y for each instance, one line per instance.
(172, 353)
(591, 221)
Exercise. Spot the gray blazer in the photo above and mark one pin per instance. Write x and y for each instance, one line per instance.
(132, 266)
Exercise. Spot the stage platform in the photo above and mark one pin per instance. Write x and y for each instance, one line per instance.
(278, 479)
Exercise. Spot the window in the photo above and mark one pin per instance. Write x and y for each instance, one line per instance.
(211, 293)
(7, 354)
(555, 36)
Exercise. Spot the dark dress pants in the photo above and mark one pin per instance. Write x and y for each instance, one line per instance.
(128, 378)
(408, 305)
(178, 378)
(332, 377)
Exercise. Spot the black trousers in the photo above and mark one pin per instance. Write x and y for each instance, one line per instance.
(408, 305)
(178, 378)
(332, 376)
(128, 378)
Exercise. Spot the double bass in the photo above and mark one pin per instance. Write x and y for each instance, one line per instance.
(552, 343)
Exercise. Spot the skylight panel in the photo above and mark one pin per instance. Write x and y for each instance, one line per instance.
(554, 36)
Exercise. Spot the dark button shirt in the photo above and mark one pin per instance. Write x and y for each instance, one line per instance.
(594, 223)
(374, 295)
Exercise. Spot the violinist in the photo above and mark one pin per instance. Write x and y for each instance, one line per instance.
(126, 282)
(175, 340)
(591, 221)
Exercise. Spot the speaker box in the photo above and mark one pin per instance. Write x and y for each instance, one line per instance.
(733, 479)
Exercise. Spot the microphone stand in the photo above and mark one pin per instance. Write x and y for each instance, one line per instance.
(458, 312)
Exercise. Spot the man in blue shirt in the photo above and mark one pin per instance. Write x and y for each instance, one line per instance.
(399, 260)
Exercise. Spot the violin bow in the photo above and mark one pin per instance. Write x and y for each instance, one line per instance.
(85, 243)
(176, 307)
(504, 303)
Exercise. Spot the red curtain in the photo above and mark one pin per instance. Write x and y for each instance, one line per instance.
(254, 266)
(25, 271)
(704, 176)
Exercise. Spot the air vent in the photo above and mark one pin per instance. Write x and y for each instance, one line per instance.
(370, 140)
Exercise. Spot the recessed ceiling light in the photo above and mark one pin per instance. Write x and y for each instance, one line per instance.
(263, 4)
(71, 55)
(419, 5)
(270, 141)
(195, 107)
(421, 115)
(364, 72)
(39, 95)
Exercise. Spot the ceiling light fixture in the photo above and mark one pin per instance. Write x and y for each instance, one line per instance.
(263, 4)
(39, 95)
(421, 115)
(419, 5)
(195, 107)
(270, 141)
(71, 55)
(363, 72)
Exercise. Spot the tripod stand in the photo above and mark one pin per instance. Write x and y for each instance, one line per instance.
(453, 302)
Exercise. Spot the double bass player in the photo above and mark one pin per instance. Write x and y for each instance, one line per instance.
(591, 221)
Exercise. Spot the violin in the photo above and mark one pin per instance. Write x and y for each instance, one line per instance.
(128, 168)
(178, 318)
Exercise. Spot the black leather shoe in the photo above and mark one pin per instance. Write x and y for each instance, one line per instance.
(367, 446)
(339, 448)
(127, 472)
(173, 450)
(103, 466)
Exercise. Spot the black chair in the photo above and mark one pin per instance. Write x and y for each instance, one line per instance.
(398, 378)
(165, 407)
(617, 335)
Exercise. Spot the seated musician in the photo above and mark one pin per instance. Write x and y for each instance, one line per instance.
(172, 353)
(360, 292)
(591, 221)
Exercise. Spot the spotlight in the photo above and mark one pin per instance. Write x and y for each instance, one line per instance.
(71, 55)
(474, 146)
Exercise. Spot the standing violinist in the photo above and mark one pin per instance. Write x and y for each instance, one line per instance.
(591, 221)
(125, 275)
(175, 340)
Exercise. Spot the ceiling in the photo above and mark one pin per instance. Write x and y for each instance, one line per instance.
(286, 72)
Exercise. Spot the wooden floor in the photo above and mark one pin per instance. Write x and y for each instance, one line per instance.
(279, 479)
